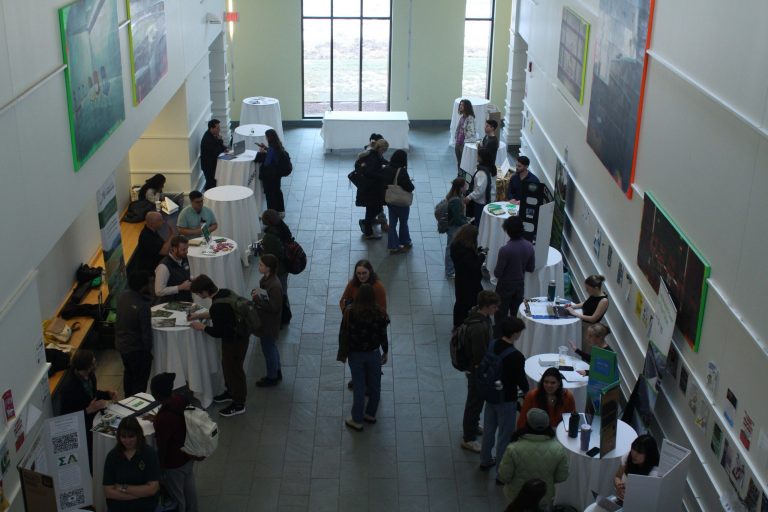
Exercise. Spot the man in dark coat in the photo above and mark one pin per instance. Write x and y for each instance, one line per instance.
(211, 146)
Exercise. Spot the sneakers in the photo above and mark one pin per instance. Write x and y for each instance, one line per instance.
(266, 382)
(353, 424)
(232, 410)
(223, 398)
(361, 223)
(485, 466)
(399, 250)
(369, 419)
(472, 446)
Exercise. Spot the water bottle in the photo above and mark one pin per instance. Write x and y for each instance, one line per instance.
(573, 425)
(551, 291)
(586, 435)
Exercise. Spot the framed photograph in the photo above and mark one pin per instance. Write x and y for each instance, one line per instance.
(147, 36)
(572, 60)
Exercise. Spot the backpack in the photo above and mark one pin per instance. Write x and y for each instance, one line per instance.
(295, 257)
(459, 356)
(489, 372)
(246, 314)
(442, 215)
(284, 164)
(202, 433)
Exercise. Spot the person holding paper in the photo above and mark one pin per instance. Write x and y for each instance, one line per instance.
(643, 459)
(192, 217)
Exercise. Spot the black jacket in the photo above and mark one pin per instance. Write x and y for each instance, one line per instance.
(75, 397)
(210, 149)
(371, 192)
(388, 177)
(469, 274)
(133, 327)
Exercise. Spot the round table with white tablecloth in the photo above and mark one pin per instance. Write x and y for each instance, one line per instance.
(544, 334)
(469, 157)
(575, 383)
(192, 355)
(262, 110)
(221, 264)
(241, 170)
(480, 106)
(252, 134)
(236, 209)
(590, 474)
(491, 233)
(537, 282)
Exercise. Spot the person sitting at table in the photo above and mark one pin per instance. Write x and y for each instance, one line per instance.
(593, 309)
(533, 453)
(211, 146)
(468, 259)
(133, 333)
(234, 346)
(172, 277)
(131, 471)
(490, 140)
(152, 189)
(482, 186)
(522, 177)
(549, 396)
(269, 303)
(270, 157)
(643, 459)
(370, 193)
(276, 235)
(151, 246)
(515, 258)
(529, 498)
(596, 334)
(456, 218)
(465, 129)
(193, 216)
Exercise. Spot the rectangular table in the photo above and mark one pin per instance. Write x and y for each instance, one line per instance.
(350, 130)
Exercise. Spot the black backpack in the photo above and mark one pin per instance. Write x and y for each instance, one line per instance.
(284, 164)
(458, 346)
(295, 257)
(490, 371)
(246, 314)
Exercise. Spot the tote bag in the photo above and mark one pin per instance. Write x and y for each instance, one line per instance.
(395, 195)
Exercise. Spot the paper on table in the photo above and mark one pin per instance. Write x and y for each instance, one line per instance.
(547, 362)
(573, 376)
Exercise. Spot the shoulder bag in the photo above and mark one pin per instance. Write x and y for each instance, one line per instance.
(396, 195)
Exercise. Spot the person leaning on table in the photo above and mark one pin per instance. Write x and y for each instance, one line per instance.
(191, 218)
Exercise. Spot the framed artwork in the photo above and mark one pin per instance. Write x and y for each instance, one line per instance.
(572, 61)
(147, 36)
(664, 252)
(618, 80)
(93, 76)
(559, 218)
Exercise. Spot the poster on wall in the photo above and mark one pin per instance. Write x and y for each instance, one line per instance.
(147, 36)
(558, 218)
(665, 253)
(572, 61)
(94, 74)
(111, 241)
(618, 78)
(67, 453)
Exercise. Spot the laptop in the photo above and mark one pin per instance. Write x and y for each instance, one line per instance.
(238, 148)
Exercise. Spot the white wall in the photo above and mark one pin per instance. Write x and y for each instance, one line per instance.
(703, 153)
(48, 207)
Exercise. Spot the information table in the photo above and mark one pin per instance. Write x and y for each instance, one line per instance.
(469, 157)
(238, 214)
(222, 265)
(351, 130)
(263, 110)
(491, 233)
(480, 106)
(545, 335)
(572, 381)
(252, 134)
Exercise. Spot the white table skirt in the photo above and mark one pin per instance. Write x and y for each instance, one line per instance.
(537, 282)
(238, 171)
(223, 267)
(544, 335)
(262, 110)
(192, 355)
(236, 209)
(534, 371)
(252, 134)
(491, 235)
(351, 130)
(590, 474)
(469, 157)
(480, 106)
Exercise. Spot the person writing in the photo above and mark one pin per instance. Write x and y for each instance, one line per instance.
(643, 459)
(191, 219)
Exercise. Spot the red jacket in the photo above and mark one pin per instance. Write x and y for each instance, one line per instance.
(170, 433)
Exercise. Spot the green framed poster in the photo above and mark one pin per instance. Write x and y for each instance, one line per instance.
(572, 59)
(149, 53)
(93, 76)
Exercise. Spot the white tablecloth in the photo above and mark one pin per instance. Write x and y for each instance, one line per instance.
(491, 235)
(480, 106)
(544, 335)
(588, 474)
(238, 171)
(351, 130)
(223, 267)
(469, 157)
(236, 209)
(534, 371)
(251, 134)
(262, 110)
(537, 282)
(192, 355)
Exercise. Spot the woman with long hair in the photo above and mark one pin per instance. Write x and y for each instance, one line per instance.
(270, 308)
(550, 396)
(643, 459)
(596, 334)
(363, 343)
(399, 239)
(468, 259)
(276, 235)
(465, 129)
(131, 471)
(152, 189)
(270, 174)
(593, 308)
(456, 218)
(482, 187)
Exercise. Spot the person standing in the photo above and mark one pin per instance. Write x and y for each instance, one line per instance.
(151, 247)
(468, 259)
(465, 129)
(272, 159)
(276, 235)
(516, 191)
(191, 219)
(172, 276)
(269, 302)
(234, 344)
(363, 342)
(399, 240)
(170, 433)
(133, 333)
(482, 187)
(211, 146)
(516, 258)
(593, 309)
(490, 141)
(371, 194)
(479, 332)
(456, 219)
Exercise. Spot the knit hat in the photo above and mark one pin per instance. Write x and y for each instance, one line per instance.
(537, 419)
(161, 385)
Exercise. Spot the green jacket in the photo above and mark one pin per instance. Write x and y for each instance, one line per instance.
(533, 456)
(479, 333)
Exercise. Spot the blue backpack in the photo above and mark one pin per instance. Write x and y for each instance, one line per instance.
(490, 371)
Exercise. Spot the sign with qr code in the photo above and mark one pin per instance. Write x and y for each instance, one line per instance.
(67, 453)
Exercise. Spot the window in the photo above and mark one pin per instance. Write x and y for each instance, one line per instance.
(345, 48)
(478, 36)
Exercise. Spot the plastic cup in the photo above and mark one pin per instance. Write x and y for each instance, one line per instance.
(562, 352)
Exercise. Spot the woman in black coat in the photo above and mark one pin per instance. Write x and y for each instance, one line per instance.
(468, 260)
(271, 173)
(370, 194)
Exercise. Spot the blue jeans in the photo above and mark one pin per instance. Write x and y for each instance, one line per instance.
(449, 268)
(403, 237)
(271, 356)
(501, 416)
(366, 374)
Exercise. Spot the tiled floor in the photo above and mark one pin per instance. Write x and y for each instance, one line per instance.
(291, 450)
